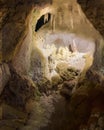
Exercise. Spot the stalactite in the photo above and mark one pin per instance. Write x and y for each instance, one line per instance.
(45, 18)
(53, 22)
(79, 11)
(72, 23)
(60, 18)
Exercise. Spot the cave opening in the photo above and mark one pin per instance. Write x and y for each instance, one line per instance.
(64, 49)
(42, 21)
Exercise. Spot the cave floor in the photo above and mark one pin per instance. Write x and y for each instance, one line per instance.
(50, 114)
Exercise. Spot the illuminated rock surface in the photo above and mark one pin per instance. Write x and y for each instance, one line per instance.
(51, 65)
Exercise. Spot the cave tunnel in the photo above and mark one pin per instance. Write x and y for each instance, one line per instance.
(42, 21)
(50, 81)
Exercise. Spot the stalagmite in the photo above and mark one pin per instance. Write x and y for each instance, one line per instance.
(73, 46)
(72, 23)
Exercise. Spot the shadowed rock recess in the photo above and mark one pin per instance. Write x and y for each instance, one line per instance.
(51, 65)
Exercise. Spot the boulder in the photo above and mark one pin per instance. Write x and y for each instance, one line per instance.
(19, 90)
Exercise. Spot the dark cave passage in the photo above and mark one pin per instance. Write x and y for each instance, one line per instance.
(42, 21)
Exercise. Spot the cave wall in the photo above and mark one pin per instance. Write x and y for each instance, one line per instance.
(17, 26)
(13, 16)
(15, 36)
(18, 20)
(14, 24)
(93, 10)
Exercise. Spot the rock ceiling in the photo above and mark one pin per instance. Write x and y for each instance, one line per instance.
(92, 8)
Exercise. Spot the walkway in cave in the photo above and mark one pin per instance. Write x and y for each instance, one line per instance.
(50, 114)
(60, 119)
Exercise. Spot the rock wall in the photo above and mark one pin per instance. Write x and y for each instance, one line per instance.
(15, 35)
(94, 12)
(13, 23)
(17, 26)
(21, 61)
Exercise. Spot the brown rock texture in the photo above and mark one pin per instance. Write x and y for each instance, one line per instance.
(4, 75)
(17, 82)
(13, 23)
(18, 90)
(94, 12)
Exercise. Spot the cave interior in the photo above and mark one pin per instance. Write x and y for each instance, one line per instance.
(51, 65)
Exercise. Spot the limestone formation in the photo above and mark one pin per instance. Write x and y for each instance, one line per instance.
(51, 64)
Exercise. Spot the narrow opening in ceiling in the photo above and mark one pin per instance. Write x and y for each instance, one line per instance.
(42, 21)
